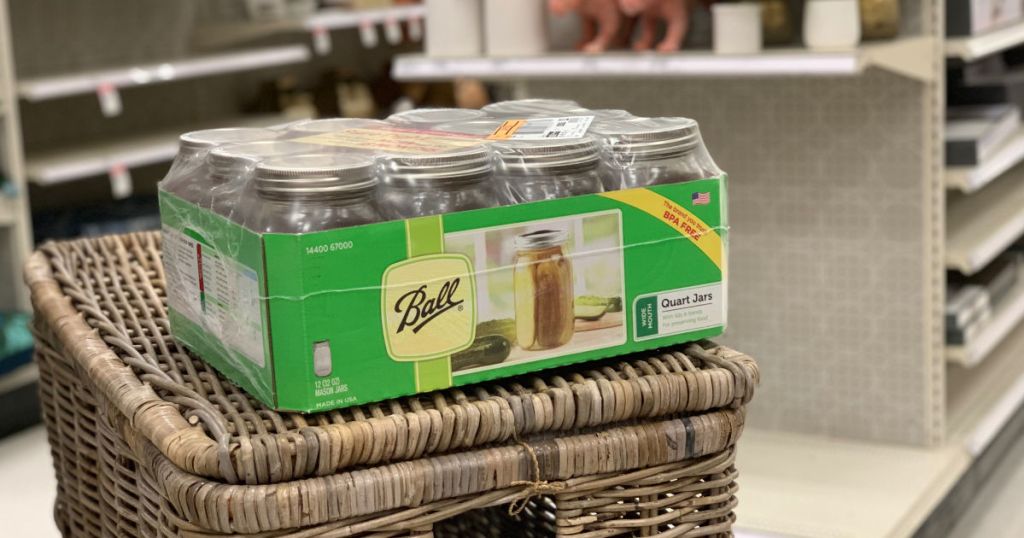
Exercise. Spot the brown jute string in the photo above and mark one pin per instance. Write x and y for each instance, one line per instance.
(535, 487)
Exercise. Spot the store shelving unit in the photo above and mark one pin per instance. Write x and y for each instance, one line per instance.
(841, 240)
(15, 223)
(983, 224)
(223, 35)
(968, 179)
(96, 159)
(8, 211)
(1006, 318)
(53, 87)
(336, 19)
(899, 56)
(974, 47)
(982, 399)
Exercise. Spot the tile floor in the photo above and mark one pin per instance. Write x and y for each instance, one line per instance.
(27, 489)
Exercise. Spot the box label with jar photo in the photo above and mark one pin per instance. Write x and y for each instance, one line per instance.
(343, 317)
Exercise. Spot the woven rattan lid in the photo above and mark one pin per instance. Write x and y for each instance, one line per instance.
(207, 426)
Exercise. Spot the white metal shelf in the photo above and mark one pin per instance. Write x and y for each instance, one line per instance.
(981, 400)
(980, 226)
(974, 47)
(99, 158)
(223, 35)
(44, 88)
(803, 486)
(1006, 318)
(8, 210)
(21, 376)
(907, 56)
(336, 19)
(796, 485)
(969, 179)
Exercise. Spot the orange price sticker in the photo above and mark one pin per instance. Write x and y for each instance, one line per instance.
(507, 130)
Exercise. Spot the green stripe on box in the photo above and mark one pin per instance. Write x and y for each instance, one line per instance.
(425, 236)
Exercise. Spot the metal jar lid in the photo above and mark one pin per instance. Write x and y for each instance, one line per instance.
(612, 114)
(532, 157)
(198, 141)
(323, 175)
(331, 125)
(649, 138)
(540, 239)
(449, 168)
(533, 107)
(227, 162)
(482, 127)
(429, 117)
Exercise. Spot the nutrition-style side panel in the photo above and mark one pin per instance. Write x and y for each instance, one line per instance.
(212, 267)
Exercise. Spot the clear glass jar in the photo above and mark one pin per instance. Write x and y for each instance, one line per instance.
(311, 193)
(428, 118)
(417, 185)
(544, 295)
(330, 125)
(229, 169)
(525, 108)
(193, 148)
(652, 151)
(534, 170)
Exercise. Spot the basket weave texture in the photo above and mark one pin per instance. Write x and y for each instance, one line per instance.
(149, 441)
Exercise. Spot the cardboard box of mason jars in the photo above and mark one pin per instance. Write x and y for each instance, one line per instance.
(330, 319)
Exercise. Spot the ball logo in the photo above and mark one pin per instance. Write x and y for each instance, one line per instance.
(429, 307)
(417, 310)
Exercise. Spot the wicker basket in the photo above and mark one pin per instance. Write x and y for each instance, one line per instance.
(148, 441)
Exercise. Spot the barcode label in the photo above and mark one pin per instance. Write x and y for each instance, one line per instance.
(543, 128)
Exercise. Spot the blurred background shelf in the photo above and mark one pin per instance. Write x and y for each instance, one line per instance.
(53, 87)
(19, 399)
(812, 486)
(230, 34)
(1007, 317)
(975, 47)
(335, 19)
(8, 210)
(805, 486)
(969, 179)
(982, 225)
(902, 55)
(981, 400)
(99, 158)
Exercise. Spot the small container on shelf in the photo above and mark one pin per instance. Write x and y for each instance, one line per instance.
(832, 24)
(517, 28)
(879, 19)
(736, 28)
(454, 28)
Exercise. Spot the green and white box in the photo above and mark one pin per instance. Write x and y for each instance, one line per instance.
(316, 321)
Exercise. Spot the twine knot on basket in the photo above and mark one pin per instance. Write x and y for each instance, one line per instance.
(535, 487)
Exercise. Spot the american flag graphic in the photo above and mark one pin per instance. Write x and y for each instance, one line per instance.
(701, 198)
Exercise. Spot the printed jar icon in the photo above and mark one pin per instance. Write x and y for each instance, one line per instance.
(543, 290)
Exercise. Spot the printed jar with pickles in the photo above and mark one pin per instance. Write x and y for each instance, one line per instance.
(543, 290)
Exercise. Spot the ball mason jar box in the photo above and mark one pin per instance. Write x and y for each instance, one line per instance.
(362, 312)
